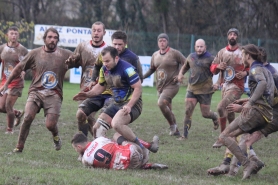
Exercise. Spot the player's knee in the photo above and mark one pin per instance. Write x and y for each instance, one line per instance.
(27, 118)
(80, 115)
(206, 114)
(220, 110)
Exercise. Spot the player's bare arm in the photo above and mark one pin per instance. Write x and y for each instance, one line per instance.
(183, 70)
(148, 73)
(222, 66)
(15, 73)
(137, 92)
(73, 59)
(241, 101)
(234, 108)
(241, 74)
(96, 90)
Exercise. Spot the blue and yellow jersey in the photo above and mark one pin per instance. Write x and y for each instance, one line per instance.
(119, 80)
(99, 63)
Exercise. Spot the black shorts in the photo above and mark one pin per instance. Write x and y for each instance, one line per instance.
(114, 107)
(94, 104)
(204, 99)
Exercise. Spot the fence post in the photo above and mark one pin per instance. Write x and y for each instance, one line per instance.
(192, 43)
(259, 42)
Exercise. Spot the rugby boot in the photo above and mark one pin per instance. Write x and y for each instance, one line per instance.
(248, 168)
(217, 144)
(260, 164)
(234, 167)
(223, 168)
(155, 166)
(174, 130)
(9, 131)
(215, 121)
(17, 150)
(57, 143)
(154, 144)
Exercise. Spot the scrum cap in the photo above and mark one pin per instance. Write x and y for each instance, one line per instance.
(163, 35)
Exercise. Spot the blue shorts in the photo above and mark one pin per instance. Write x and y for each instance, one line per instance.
(114, 107)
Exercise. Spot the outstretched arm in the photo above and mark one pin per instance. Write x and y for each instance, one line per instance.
(15, 73)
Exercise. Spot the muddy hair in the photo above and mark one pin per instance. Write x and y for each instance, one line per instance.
(253, 51)
(79, 138)
(113, 51)
(52, 30)
(263, 54)
(119, 35)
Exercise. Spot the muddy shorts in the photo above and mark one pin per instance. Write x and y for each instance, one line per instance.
(204, 99)
(273, 126)
(50, 103)
(168, 93)
(114, 107)
(14, 91)
(94, 104)
(251, 122)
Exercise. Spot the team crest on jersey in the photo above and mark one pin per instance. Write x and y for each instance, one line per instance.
(49, 80)
(253, 71)
(130, 71)
(8, 70)
(161, 74)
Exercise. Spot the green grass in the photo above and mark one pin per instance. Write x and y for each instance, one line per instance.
(187, 160)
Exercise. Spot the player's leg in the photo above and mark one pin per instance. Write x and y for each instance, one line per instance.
(205, 101)
(31, 109)
(85, 109)
(17, 114)
(190, 103)
(228, 96)
(107, 100)
(152, 146)
(51, 121)
(52, 108)
(10, 101)
(165, 105)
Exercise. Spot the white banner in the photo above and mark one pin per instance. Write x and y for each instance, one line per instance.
(69, 36)
(75, 73)
(146, 63)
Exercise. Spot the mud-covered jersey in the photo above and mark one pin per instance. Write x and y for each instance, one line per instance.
(274, 73)
(167, 67)
(133, 59)
(119, 80)
(261, 96)
(88, 57)
(48, 69)
(232, 58)
(10, 57)
(200, 76)
(104, 153)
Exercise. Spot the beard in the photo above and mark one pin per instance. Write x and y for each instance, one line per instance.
(232, 42)
(51, 46)
(97, 39)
